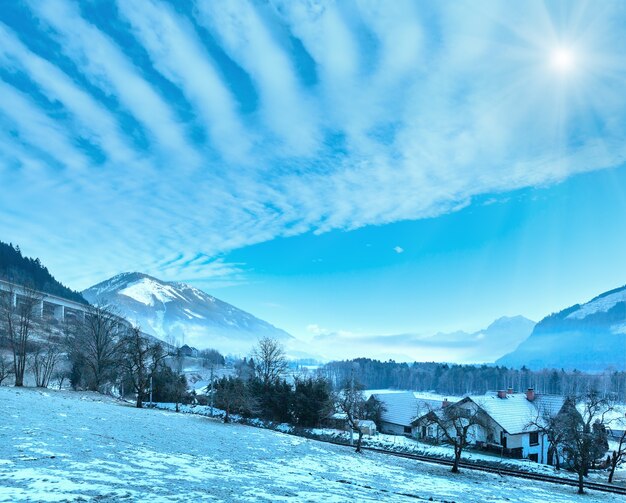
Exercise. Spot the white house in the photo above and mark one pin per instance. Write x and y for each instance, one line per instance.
(401, 409)
(513, 423)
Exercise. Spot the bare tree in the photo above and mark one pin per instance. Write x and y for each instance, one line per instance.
(18, 318)
(141, 360)
(456, 424)
(548, 423)
(584, 433)
(45, 357)
(94, 344)
(211, 358)
(270, 360)
(6, 369)
(350, 401)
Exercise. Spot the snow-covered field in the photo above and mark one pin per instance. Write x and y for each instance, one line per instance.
(66, 446)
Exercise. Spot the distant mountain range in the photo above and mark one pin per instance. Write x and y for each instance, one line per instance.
(175, 311)
(589, 337)
(470, 347)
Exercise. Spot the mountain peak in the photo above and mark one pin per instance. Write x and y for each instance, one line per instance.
(175, 310)
(510, 321)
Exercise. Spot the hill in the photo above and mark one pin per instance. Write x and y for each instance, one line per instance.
(19, 269)
(588, 337)
(177, 311)
(95, 449)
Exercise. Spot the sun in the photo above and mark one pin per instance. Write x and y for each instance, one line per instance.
(563, 59)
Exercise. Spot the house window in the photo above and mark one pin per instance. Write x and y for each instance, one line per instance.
(534, 438)
(534, 457)
(407, 429)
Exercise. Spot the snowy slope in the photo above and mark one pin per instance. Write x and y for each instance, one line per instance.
(601, 304)
(591, 337)
(85, 447)
(177, 311)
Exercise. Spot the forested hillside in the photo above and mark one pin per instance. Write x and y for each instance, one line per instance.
(15, 267)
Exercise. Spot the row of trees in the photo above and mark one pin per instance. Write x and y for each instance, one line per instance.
(452, 379)
(260, 390)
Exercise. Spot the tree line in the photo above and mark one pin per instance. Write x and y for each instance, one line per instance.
(458, 380)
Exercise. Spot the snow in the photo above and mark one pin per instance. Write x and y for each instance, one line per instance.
(603, 304)
(107, 451)
(191, 314)
(147, 291)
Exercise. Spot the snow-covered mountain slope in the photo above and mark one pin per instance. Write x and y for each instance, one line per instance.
(591, 337)
(179, 312)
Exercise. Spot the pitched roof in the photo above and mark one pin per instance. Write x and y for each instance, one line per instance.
(403, 408)
(515, 413)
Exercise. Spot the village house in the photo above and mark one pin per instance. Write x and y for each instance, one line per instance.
(512, 423)
(188, 351)
(400, 410)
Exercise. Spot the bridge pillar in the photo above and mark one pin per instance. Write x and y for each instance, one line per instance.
(59, 312)
(38, 309)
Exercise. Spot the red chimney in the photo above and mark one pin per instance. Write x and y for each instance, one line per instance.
(445, 403)
(509, 391)
(530, 394)
(501, 394)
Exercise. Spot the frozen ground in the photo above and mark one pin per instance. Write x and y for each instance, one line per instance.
(65, 446)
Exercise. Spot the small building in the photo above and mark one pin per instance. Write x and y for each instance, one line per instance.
(188, 351)
(400, 410)
(339, 421)
(367, 427)
(513, 423)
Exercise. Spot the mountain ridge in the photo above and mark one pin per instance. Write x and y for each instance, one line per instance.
(589, 337)
(176, 311)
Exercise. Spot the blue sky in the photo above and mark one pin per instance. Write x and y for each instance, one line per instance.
(354, 167)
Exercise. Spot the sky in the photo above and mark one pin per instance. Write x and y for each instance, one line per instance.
(340, 169)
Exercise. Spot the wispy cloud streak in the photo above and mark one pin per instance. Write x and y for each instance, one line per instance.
(414, 109)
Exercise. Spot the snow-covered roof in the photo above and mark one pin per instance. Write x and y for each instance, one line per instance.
(515, 413)
(403, 408)
(367, 423)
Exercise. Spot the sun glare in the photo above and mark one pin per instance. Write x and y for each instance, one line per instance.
(562, 59)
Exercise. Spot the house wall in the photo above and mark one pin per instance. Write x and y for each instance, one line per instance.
(522, 440)
(392, 428)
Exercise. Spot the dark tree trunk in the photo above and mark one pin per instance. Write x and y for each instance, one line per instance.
(139, 400)
(613, 465)
(457, 459)
(581, 482)
(358, 441)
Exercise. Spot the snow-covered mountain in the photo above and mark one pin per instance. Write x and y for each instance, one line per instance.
(177, 311)
(590, 337)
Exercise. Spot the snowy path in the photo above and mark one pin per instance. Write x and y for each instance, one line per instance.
(64, 446)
